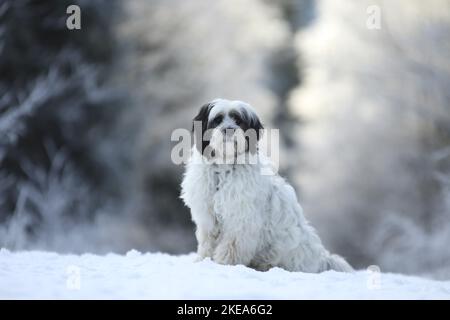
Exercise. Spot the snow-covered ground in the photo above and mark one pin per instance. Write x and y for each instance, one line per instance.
(161, 276)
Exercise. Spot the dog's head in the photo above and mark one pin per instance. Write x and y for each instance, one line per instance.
(226, 127)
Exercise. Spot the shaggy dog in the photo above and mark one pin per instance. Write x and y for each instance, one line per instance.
(243, 216)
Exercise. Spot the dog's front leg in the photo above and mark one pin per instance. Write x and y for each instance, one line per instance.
(206, 243)
(236, 247)
(206, 229)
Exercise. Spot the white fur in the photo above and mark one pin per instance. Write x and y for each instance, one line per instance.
(244, 217)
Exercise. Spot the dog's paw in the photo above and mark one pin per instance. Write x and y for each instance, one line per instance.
(204, 251)
(199, 258)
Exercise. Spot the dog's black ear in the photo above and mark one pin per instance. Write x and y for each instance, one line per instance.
(256, 124)
(199, 126)
(252, 127)
(252, 122)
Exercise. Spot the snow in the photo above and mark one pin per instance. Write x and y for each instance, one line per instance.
(43, 275)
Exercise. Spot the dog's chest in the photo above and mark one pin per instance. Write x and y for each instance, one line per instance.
(234, 189)
(223, 179)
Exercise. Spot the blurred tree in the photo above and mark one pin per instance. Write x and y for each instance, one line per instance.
(56, 110)
(374, 159)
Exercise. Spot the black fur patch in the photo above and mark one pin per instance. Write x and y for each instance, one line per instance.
(202, 116)
(251, 122)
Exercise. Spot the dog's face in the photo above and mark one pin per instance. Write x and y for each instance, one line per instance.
(227, 128)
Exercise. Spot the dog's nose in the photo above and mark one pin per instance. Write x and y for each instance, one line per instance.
(228, 131)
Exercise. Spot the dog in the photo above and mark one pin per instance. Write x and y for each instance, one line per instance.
(243, 217)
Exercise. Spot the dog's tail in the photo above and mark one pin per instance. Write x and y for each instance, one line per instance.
(337, 263)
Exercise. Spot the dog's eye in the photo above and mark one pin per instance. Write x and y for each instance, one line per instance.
(217, 119)
(237, 119)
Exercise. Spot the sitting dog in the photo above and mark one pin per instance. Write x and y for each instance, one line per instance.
(243, 216)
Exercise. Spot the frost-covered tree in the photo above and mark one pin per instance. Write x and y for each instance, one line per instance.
(374, 166)
(56, 110)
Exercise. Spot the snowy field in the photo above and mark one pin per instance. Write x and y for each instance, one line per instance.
(136, 275)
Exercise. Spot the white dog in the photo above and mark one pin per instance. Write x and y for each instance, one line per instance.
(242, 216)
